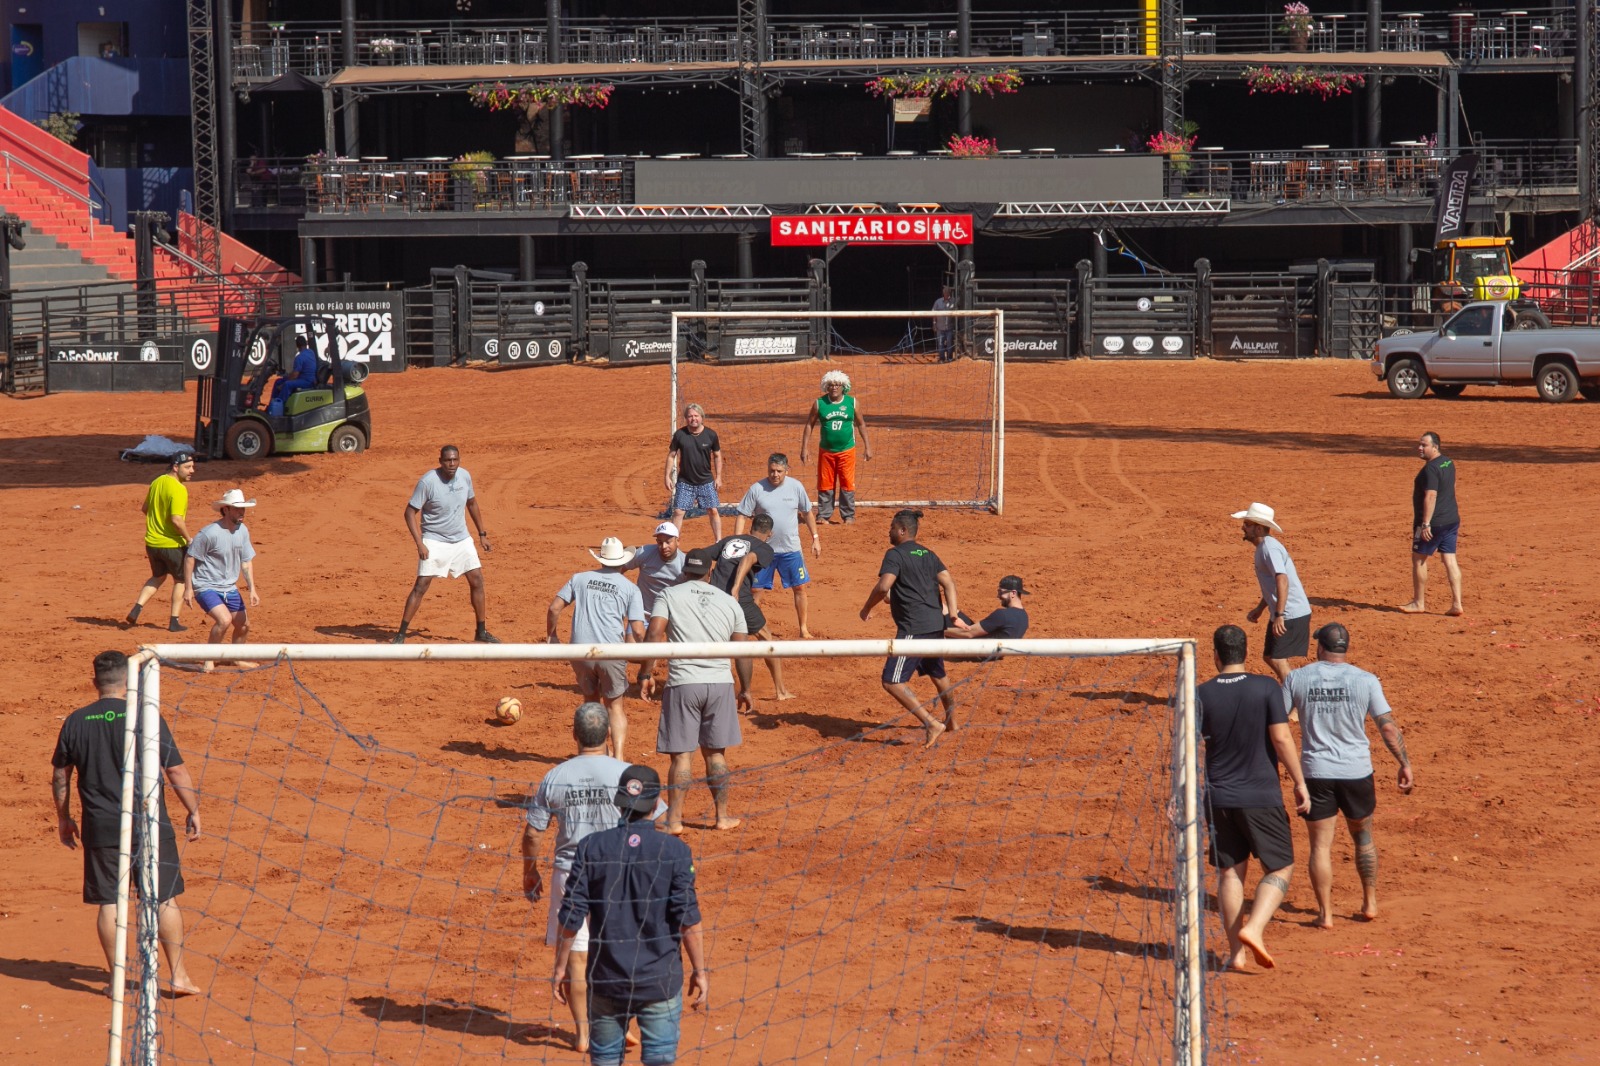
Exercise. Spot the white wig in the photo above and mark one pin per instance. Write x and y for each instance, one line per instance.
(836, 377)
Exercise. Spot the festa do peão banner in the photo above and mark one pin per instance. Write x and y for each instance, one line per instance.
(823, 230)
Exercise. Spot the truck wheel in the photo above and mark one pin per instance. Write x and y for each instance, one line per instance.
(1407, 379)
(248, 439)
(347, 439)
(1532, 318)
(1446, 392)
(1557, 383)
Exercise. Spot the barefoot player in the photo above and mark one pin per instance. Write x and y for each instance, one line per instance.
(436, 516)
(836, 412)
(1435, 524)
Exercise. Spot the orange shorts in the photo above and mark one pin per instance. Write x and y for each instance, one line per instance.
(836, 468)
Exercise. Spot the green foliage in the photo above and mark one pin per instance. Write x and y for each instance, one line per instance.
(62, 125)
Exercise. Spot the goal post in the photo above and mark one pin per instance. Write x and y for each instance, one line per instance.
(940, 455)
(1049, 871)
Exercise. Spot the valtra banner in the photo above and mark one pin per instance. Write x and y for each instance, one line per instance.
(813, 230)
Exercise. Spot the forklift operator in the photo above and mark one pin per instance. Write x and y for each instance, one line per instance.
(304, 375)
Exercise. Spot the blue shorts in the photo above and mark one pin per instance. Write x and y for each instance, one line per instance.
(1444, 540)
(898, 669)
(791, 566)
(208, 600)
(687, 497)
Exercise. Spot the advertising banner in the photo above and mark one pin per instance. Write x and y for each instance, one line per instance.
(371, 325)
(1025, 346)
(1256, 344)
(523, 351)
(1146, 344)
(823, 230)
(1455, 188)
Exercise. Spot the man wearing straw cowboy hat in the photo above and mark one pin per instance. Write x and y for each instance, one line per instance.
(217, 557)
(1288, 632)
(606, 609)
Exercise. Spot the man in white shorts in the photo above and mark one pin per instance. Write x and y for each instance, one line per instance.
(698, 707)
(579, 795)
(436, 516)
(607, 608)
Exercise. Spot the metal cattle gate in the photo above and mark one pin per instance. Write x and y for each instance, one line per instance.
(1249, 316)
(1138, 317)
(1040, 316)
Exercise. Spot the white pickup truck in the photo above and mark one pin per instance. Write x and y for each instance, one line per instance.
(1481, 345)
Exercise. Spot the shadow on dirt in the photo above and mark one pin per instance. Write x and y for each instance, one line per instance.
(479, 750)
(466, 1018)
(71, 976)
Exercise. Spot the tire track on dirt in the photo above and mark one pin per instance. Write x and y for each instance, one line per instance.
(1114, 464)
(1046, 445)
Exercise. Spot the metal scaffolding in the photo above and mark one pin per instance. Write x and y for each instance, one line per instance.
(752, 38)
(203, 134)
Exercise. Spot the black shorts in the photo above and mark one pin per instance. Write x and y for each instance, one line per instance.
(1354, 799)
(754, 620)
(165, 562)
(100, 872)
(898, 669)
(1294, 643)
(1240, 832)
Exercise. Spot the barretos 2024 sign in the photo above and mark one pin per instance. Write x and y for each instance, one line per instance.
(813, 230)
(371, 325)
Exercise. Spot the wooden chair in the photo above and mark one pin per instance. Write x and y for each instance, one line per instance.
(1294, 179)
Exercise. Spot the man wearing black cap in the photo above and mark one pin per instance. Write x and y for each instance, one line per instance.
(699, 707)
(636, 888)
(1335, 699)
(166, 535)
(1009, 622)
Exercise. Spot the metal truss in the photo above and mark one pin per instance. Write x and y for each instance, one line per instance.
(1172, 82)
(203, 134)
(1114, 208)
(1589, 99)
(652, 211)
(750, 40)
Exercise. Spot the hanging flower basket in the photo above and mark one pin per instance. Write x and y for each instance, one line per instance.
(911, 108)
(498, 96)
(931, 83)
(973, 147)
(1268, 79)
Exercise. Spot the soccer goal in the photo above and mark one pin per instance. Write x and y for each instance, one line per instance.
(937, 430)
(1027, 890)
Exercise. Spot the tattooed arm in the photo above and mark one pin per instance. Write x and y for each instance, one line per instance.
(1395, 741)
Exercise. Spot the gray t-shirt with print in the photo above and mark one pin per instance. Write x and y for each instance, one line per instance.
(580, 794)
(219, 556)
(699, 611)
(602, 604)
(785, 503)
(1335, 701)
(655, 573)
(1272, 559)
(443, 505)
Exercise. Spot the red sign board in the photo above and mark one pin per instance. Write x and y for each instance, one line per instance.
(870, 229)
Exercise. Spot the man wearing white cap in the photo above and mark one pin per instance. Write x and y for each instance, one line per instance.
(216, 558)
(607, 609)
(660, 565)
(1288, 632)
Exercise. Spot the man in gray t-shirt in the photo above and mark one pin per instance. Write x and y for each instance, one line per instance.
(606, 609)
(660, 565)
(579, 795)
(1289, 625)
(1335, 699)
(784, 499)
(698, 707)
(213, 563)
(436, 516)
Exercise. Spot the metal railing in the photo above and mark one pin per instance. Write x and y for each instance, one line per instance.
(91, 206)
(532, 183)
(1490, 34)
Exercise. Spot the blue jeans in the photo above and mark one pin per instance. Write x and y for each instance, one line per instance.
(658, 1029)
(947, 345)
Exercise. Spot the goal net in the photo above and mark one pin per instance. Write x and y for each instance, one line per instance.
(936, 429)
(1027, 890)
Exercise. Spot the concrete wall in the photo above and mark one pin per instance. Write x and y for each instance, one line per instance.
(889, 181)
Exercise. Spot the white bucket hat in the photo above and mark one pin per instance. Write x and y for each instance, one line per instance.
(234, 498)
(611, 553)
(1260, 514)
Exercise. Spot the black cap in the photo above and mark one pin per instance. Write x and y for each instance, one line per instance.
(639, 789)
(1334, 637)
(1012, 583)
(179, 458)
(698, 563)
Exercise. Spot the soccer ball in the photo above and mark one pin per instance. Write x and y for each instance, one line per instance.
(508, 710)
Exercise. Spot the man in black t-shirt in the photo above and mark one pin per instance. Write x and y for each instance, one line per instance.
(738, 558)
(1245, 726)
(91, 744)
(1435, 523)
(913, 580)
(1009, 622)
(694, 469)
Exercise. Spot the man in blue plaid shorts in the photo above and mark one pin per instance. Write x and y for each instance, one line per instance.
(694, 469)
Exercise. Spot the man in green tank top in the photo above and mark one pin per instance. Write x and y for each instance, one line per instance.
(840, 420)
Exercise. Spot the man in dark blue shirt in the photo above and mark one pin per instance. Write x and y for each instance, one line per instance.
(1009, 622)
(304, 374)
(1245, 726)
(636, 888)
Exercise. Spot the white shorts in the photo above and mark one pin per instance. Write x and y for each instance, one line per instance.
(448, 560)
(552, 930)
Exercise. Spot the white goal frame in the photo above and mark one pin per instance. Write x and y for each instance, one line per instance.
(997, 422)
(143, 705)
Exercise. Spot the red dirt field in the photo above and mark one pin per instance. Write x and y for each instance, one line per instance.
(1120, 478)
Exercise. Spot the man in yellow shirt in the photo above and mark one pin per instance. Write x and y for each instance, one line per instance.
(166, 535)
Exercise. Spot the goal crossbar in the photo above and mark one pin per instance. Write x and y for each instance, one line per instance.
(997, 422)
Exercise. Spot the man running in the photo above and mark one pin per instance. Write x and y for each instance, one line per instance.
(607, 608)
(1288, 632)
(166, 535)
(913, 580)
(785, 499)
(217, 557)
(836, 412)
(436, 516)
(1246, 732)
(1335, 699)
(1435, 524)
(694, 469)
